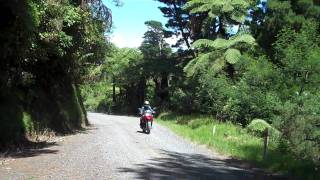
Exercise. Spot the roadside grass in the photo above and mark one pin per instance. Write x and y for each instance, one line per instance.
(234, 141)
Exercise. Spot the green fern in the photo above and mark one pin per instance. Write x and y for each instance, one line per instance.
(197, 64)
(221, 51)
(203, 43)
(220, 43)
(218, 65)
(233, 41)
(189, 68)
(233, 9)
(232, 56)
(217, 53)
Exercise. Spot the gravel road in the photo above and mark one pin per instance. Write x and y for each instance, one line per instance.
(114, 148)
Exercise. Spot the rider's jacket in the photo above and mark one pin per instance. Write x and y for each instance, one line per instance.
(146, 107)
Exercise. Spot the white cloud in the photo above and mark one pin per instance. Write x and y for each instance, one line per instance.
(122, 41)
(173, 40)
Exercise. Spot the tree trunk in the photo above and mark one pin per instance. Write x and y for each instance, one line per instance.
(230, 70)
(157, 87)
(185, 38)
(222, 31)
(113, 89)
(178, 17)
(161, 89)
(164, 91)
(86, 121)
(142, 91)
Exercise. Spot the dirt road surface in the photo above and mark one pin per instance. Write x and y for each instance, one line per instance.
(114, 148)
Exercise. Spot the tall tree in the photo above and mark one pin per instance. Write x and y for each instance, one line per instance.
(299, 54)
(47, 48)
(268, 20)
(221, 52)
(156, 53)
(154, 44)
(220, 14)
(118, 66)
(178, 20)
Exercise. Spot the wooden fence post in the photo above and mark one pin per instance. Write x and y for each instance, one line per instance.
(266, 142)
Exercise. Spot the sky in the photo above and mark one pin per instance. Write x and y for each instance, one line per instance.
(128, 20)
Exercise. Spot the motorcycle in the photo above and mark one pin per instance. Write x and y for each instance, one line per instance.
(146, 120)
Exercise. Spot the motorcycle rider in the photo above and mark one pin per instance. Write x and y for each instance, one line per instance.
(146, 106)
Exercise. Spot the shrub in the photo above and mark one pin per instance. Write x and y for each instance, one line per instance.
(97, 97)
(28, 123)
(240, 101)
(299, 123)
(182, 100)
(11, 128)
(299, 116)
(104, 106)
(166, 116)
(195, 123)
(258, 127)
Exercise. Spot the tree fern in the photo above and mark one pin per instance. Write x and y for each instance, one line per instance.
(233, 9)
(203, 43)
(217, 53)
(221, 51)
(220, 43)
(197, 64)
(232, 56)
(218, 65)
(189, 68)
(233, 41)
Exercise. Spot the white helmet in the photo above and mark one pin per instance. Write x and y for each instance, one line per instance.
(146, 103)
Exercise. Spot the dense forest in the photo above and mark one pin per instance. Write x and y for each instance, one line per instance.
(47, 50)
(235, 60)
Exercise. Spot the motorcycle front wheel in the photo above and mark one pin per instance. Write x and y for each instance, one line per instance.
(148, 127)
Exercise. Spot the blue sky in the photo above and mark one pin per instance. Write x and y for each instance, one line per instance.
(128, 20)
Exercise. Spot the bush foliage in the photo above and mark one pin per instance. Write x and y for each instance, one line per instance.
(258, 127)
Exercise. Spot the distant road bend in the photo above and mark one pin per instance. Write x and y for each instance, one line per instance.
(114, 148)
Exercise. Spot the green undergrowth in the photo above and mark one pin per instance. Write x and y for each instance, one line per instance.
(97, 97)
(27, 113)
(235, 141)
(28, 123)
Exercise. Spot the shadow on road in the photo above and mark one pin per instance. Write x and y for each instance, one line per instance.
(30, 149)
(141, 132)
(87, 130)
(27, 148)
(173, 165)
